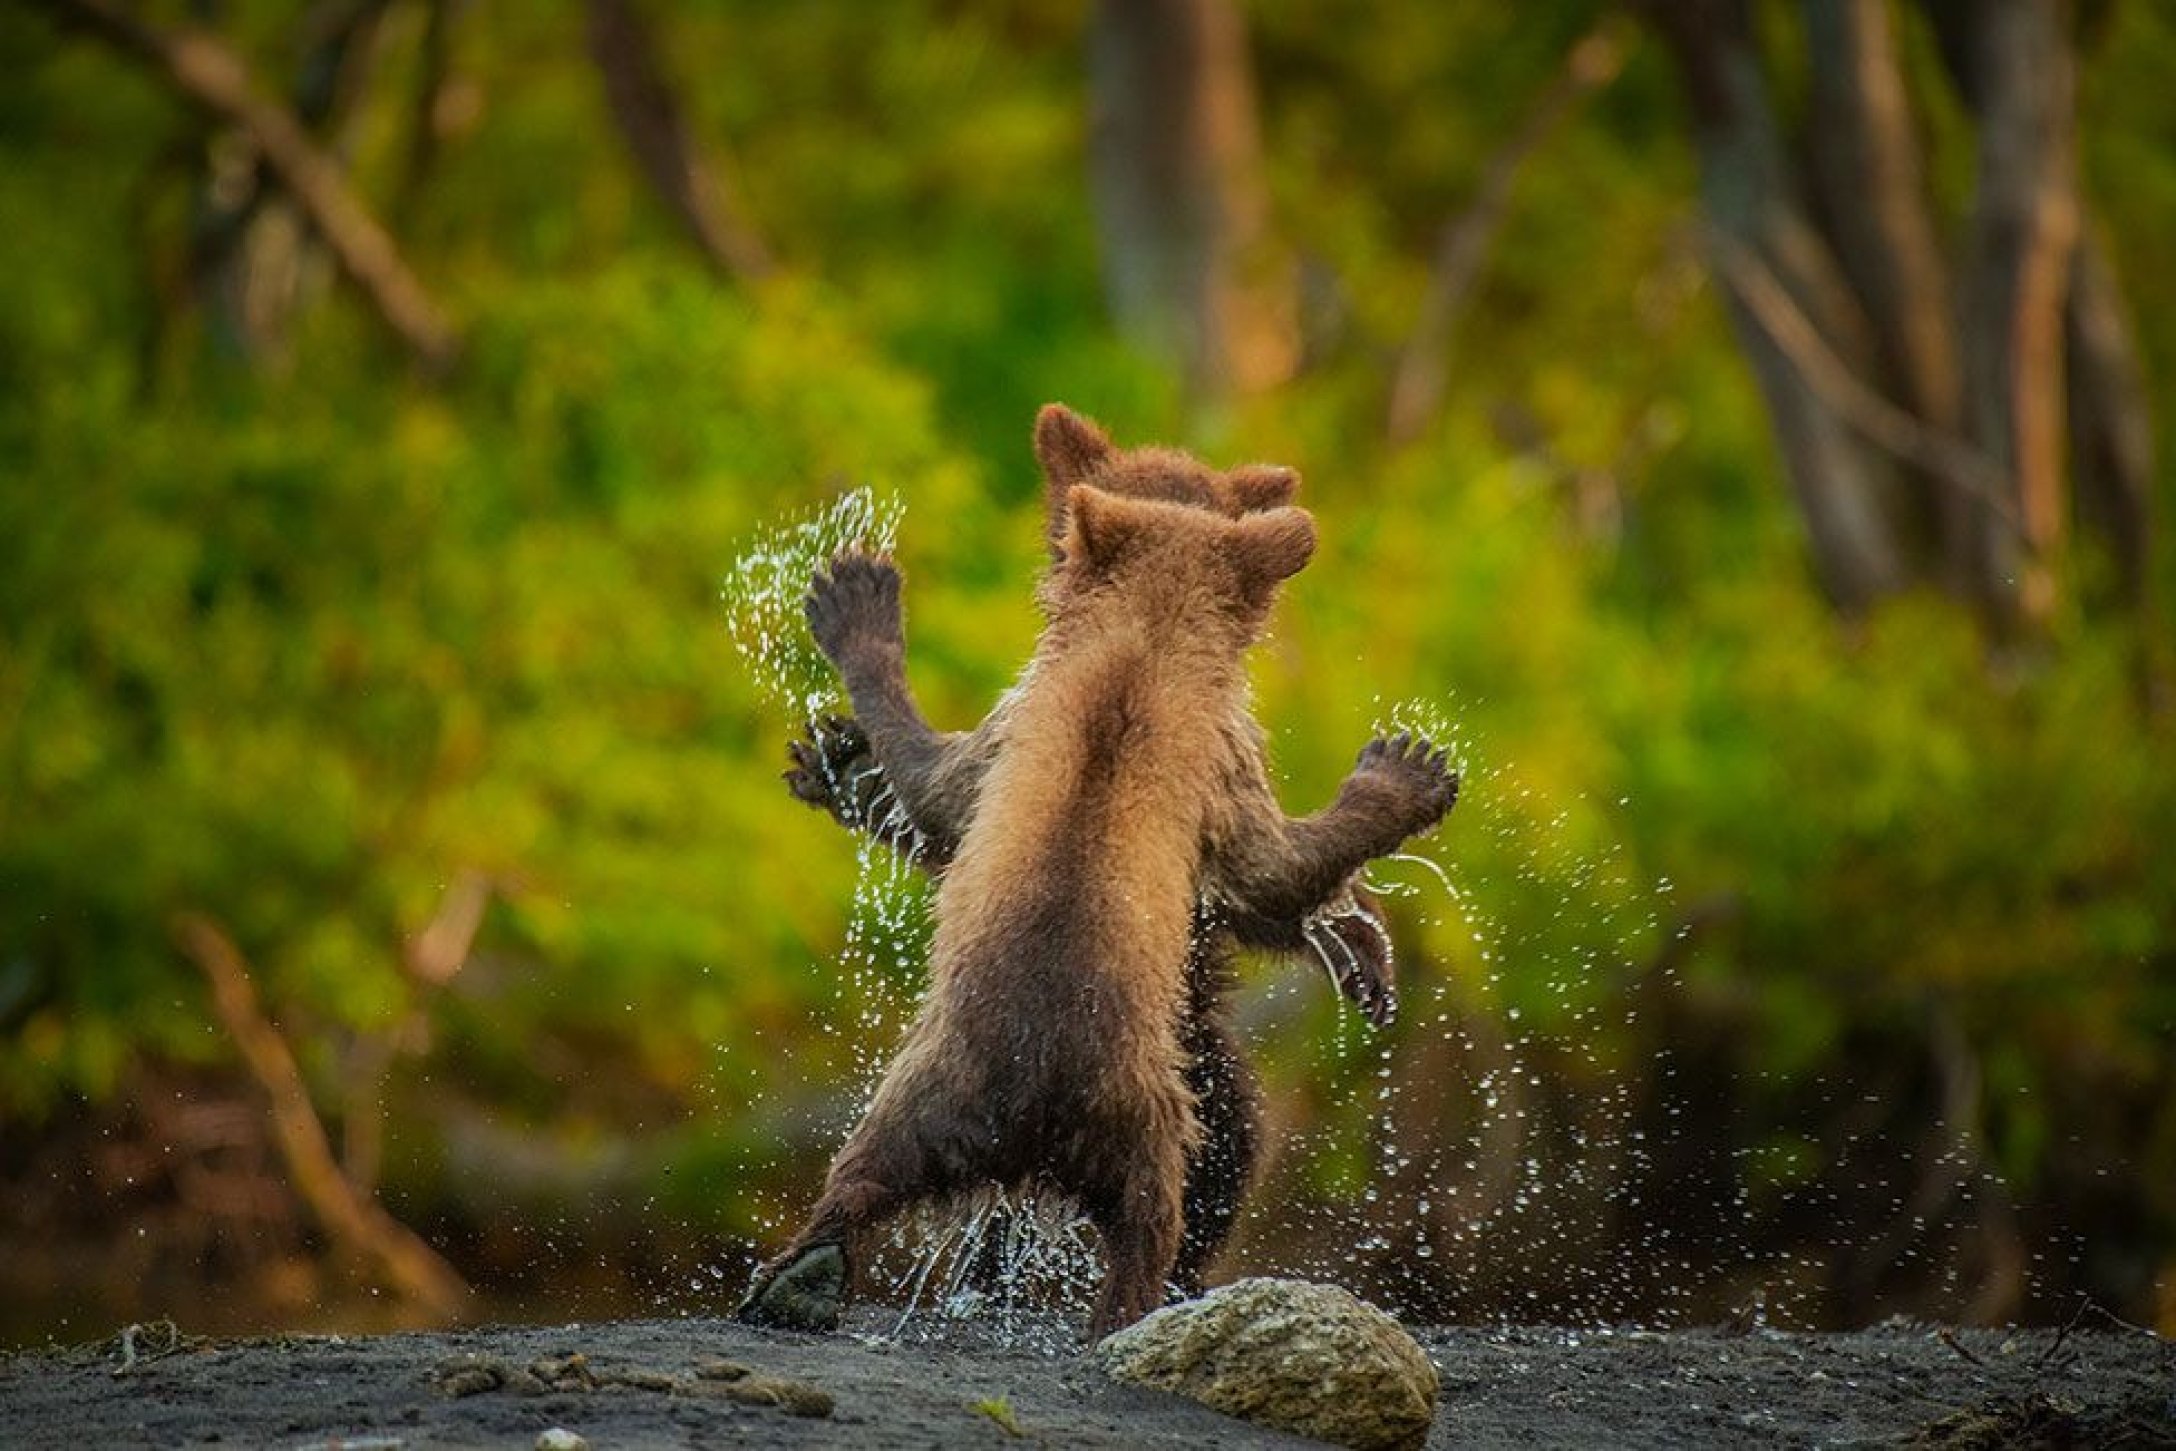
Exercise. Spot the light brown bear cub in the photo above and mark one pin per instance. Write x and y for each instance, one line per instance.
(1047, 1051)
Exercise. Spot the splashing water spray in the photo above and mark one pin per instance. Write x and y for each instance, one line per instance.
(764, 589)
(1501, 1149)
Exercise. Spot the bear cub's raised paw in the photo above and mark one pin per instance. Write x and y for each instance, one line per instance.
(1418, 772)
(855, 605)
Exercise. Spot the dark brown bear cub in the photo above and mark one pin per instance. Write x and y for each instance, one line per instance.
(1047, 1051)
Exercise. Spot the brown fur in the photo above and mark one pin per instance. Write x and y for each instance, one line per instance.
(922, 792)
(1049, 1047)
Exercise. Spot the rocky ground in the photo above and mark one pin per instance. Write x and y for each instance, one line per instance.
(714, 1383)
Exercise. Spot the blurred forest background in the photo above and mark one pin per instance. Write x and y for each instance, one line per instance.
(1736, 416)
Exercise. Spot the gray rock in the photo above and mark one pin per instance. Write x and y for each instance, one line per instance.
(1311, 1359)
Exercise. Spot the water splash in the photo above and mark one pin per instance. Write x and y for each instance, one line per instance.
(1488, 1143)
(1005, 1259)
(763, 591)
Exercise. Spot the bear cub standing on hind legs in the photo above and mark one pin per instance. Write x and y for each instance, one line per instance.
(918, 792)
(1047, 1051)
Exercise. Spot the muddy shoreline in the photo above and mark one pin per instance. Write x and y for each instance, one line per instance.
(672, 1383)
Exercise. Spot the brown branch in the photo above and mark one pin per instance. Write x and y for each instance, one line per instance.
(441, 949)
(211, 76)
(358, 1224)
(1943, 456)
(1424, 364)
(649, 118)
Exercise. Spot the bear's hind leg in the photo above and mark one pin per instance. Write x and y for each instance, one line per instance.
(1220, 1169)
(805, 1286)
(885, 1167)
(1137, 1211)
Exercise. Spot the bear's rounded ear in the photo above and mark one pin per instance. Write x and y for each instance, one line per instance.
(1255, 487)
(1069, 448)
(1274, 545)
(1096, 527)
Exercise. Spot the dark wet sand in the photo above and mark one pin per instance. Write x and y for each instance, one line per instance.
(639, 1383)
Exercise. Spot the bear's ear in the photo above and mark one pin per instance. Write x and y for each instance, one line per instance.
(1069, 448)
(1098, 526)
(1255, 487)
(1275, 545)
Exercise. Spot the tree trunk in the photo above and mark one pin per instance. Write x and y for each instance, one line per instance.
(1175, 155)
(1870, 181)
(1847, 491)
(433, 59)
(1961, 388)
(2018, 75)
(2111, 424)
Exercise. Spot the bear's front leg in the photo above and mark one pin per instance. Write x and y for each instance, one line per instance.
(836, 770)
(854, 613)
(1277, 870)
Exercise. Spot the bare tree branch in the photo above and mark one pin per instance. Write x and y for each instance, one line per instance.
(1943, 456)
(357, 1223)
(649, 118)
(441, 949)
(211, 76)
(1424, 364)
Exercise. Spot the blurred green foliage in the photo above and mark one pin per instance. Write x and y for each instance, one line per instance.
(297, 643)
